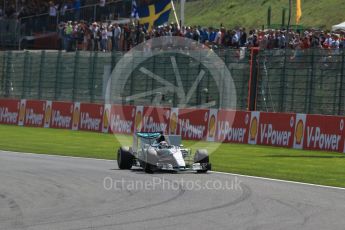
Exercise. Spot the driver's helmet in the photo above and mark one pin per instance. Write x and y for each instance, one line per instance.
(163, 144)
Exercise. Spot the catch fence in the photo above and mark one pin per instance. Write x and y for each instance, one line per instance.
(84, 76)
(308, 81)
(301, 81)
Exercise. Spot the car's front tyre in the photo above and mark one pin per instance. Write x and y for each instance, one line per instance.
(201, 157)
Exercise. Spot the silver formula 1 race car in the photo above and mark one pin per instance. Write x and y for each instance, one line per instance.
(155, 151)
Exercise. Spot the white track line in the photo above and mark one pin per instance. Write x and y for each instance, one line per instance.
(222, 173)
(278, 180)
(52, 155)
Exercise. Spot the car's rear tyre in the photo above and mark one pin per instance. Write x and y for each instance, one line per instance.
(124, 158)
(201, 156)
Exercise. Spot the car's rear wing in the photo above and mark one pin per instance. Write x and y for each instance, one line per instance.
(148, 135)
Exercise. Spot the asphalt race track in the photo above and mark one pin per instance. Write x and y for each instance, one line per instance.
(58, 193)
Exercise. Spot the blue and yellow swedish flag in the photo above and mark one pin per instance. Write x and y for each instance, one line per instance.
(154, 15)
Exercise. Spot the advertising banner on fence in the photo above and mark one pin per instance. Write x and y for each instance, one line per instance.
(122, 119)
(155, 119)
(212, 124)
(47, 114)
(76, 116)
(9, 110)
(254, 128)
(61, 115)
(91, 116)
(232, 126)
(138, 118)
(21, 117)
(324, 133)
(173, 121)
(193, 123)
(276, 129)
(299, 131)
(106, 118)
(34, 113)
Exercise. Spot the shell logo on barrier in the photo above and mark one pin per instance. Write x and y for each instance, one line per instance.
(212, 127)
(76, 115)
(106, 118)
(138, 121)
(173, 123)
(22, 112)
(47, 115)
(299, 132)
(253, 128)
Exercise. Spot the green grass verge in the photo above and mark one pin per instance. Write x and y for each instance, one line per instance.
(305, 166)
(253, 14)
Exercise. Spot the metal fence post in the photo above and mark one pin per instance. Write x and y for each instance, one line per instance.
(132, 80)
(8, 74)
(311, 83)
(3, 73)
(93, 62)
(208, 97)
(199, 92)
(57, 76)
(25, 73)
(282, 84)
(243, 82)
(75, 74)
(341, 84)
(43, 55)
(253, 80)
(293, 87)
(29, 86)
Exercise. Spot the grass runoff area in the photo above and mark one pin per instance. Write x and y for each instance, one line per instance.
(323, 168)
(253, 14)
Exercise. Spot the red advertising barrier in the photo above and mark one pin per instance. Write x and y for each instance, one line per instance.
(232, 126)
(122, 119)
(212, 125)
(321, 133)
(9, 111)
(300, 131)
(276, 129)
(90, 117)
(61, 114)
(152, 119)
(34, 113)
(193, 123)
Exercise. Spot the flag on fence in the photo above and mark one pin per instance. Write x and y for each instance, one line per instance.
(154, 15)
(298, 11)
(134, 13)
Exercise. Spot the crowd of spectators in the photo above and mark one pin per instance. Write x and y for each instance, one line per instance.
(108, 36)
(76, 32)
